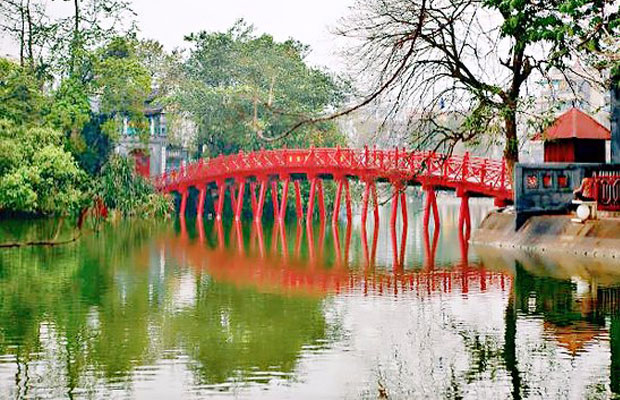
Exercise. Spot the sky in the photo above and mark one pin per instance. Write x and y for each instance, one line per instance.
(169, 20)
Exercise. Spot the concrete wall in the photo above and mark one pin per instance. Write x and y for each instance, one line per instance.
(551, 198)
(552, 234)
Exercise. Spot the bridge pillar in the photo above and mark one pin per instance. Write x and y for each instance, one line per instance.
(395, 199)
(464, 216)
(431, 204)
(298, 205)
(365, 204)
(274, 200)
(200, 208)
(321, 199)
(310, 209)
(347, 197)
(239, 200)
(284, 200)
(337, 202)
(219, 207)
(261, 201)
(375, 201)
(184, 192)
(403, 206)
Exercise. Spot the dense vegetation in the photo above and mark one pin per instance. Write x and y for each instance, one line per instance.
(64, 103)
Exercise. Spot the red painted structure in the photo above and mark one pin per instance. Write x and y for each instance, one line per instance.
(468, 176)
(607, 191)
(271, 270)
(143, 162)
(575, 137)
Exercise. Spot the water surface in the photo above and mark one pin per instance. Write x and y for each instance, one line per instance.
(189, 310)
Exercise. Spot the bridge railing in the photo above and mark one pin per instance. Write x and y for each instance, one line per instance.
(394, 164)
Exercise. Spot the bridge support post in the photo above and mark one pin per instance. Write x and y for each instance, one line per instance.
(200, 207)
(431, 204)
(375, 201)
(336, 210)
(261, 201)
(298, 205)
(365, 205)
(321, 199)
(403, 205)
(464, 217)
(284, 200)
(184, 193)
(239, 201)
(310, 211)
(394, 206)
(347, 197)
(274, 200)
(221, 192)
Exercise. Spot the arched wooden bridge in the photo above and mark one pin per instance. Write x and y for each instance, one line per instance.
(468, 176)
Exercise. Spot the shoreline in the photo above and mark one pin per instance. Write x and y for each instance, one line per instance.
(551, 234)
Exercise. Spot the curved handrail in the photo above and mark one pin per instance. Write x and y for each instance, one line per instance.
(478, 174)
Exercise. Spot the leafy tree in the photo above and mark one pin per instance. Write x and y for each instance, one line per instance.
(21, 99)
(129, 193)
(36, 174)
(240, 87)
(468, 61)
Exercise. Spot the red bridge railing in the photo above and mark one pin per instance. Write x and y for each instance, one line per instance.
(478, 175)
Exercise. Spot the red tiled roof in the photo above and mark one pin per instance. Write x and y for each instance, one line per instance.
(574, 123)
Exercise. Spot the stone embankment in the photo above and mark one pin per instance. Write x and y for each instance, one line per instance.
(552, 235)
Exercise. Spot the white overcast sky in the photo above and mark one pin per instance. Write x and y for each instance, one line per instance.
(169, 20)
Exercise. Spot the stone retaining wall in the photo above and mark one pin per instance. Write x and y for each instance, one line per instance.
(551, 234)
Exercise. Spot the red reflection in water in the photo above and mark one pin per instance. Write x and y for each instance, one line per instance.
(278, 272)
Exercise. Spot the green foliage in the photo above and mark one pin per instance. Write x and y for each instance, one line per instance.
(122, 83)
(132, 195)
(36, 174)
(21, 99)
(70, 109)
(238, 84)
(569, 26)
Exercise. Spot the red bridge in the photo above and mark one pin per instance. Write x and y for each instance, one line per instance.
(468, 176)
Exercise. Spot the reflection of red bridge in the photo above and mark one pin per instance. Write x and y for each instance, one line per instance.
(468, 176)
(276, 270)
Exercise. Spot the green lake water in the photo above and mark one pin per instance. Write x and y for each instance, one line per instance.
(179, 309)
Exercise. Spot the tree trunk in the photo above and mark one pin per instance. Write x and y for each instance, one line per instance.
(22, 39)
(511, 148)
(30, 50)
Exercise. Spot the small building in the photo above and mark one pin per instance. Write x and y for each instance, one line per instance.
(575, 137)
(157, 155)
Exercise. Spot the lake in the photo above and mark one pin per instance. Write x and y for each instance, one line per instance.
(193, 309)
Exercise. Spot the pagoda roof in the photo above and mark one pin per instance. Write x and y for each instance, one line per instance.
(574, 123)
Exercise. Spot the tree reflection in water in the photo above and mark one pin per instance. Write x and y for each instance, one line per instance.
(237, 306)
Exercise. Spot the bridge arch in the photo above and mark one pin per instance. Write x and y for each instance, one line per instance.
(266, 169)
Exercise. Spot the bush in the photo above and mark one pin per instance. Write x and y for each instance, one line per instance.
(37, 175)
(129, 193)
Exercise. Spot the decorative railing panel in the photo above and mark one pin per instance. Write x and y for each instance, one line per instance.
(607, 190)
(474, 174)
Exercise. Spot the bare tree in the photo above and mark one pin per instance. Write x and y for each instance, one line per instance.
(26, 22)
(462, 70)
